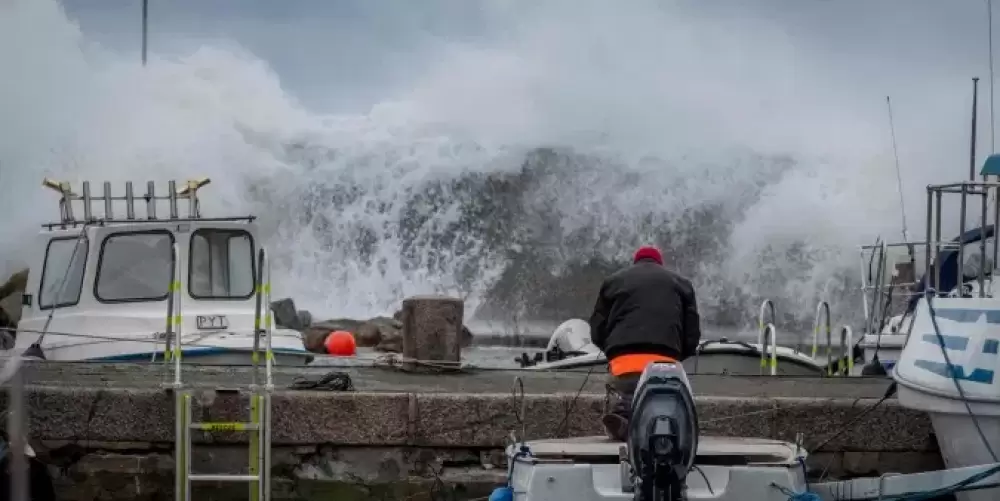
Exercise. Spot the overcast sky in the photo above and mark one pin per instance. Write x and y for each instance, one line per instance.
(345, 54)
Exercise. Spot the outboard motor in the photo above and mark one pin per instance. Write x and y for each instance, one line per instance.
(663, 433)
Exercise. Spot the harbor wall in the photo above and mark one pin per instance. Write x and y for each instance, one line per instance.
(421, 441)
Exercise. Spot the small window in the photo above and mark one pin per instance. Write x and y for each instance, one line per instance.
(135, 267)
(62, 274)
(222, 264)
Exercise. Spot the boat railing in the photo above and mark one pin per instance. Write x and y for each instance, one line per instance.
(881, 288)
(768, 332)
(766, 315)
(988, 203)
(844, 361)
(68, 198)
(822, 322)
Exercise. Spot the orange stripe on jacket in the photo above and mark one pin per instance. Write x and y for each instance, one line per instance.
(635, 362)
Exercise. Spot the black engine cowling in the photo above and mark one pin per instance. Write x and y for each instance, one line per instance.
(663, 433)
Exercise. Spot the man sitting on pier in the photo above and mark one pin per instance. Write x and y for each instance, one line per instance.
(644, 314)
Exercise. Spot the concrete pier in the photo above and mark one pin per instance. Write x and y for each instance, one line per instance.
(108, 429)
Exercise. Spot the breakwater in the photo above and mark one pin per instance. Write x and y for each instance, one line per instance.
(107, 430)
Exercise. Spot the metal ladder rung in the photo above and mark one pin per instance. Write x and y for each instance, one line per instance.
(224, 478)
(225, 426)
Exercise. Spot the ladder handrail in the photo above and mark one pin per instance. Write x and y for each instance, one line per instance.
(822, 311)
(178, 332)
(846, 351)
(259, 478)
(768, 331)
(765, 306)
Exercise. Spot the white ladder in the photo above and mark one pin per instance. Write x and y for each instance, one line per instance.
(259, 426)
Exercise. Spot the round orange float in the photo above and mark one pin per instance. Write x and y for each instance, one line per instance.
(341, 344)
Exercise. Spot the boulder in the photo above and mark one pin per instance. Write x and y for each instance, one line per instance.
(384, 334)
(287, 317)
(11, 293)
(314, 335)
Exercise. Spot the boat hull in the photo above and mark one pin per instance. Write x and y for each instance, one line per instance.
(742, 364)
(888, 347)
(957, 437)
(956, 348)
(222, 348)
(717, 358)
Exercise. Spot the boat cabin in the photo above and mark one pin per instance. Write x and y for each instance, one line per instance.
(106, 277)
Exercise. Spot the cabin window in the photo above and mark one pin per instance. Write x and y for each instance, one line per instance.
(62, 273)
(135, 267)
(222, 264)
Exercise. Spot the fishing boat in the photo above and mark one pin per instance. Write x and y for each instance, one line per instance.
(110, 289)
(949, 364)
(664, 458)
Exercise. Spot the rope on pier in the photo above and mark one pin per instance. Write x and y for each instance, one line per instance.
(331, 381)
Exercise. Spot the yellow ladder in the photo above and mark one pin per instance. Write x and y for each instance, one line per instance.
(259, 476)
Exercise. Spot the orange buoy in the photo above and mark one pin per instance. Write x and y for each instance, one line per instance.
(341, 344)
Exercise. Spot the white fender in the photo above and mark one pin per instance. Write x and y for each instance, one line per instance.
(572, 335)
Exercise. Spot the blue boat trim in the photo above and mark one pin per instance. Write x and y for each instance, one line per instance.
(957, 371)
(960, 315)
(991, 346)
(186, 352)
(965, 316)
(951, 342)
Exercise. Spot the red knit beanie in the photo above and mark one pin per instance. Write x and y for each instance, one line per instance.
(648, 252)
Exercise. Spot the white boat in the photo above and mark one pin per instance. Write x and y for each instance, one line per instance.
(104, 288)
(883, 334)
(950, 362)
(570, 347)
(664, 458)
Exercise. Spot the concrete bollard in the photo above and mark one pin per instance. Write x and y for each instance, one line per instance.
(432, 332)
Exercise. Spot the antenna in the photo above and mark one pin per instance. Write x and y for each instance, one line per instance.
(899, 176)
(145, 31)
(993, 135)
(972, 136)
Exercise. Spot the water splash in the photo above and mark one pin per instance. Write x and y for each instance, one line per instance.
(513, 171)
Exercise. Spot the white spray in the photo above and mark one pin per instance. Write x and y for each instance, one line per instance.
(673, 108)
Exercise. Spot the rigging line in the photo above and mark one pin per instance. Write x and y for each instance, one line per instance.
(899, 176)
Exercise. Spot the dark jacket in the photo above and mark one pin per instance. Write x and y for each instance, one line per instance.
(646, 308)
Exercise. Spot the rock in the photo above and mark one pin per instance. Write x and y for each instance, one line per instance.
(367, 335)
(285, 314)
(305, 319)
(466, 338)
(392, 343)
(384, 334)
(314, 335)
(390, 335)
(11, 294)
(432, 331)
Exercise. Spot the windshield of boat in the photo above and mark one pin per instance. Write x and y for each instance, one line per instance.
(134, 267)
(62, 274)
(222, 265)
